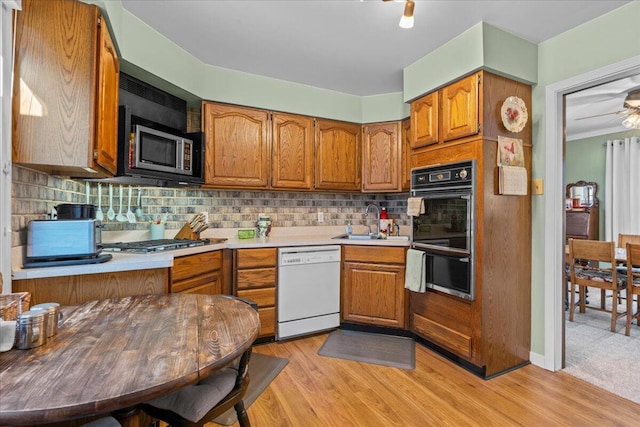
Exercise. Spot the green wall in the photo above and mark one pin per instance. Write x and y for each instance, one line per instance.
(585, 161)
(481, 46)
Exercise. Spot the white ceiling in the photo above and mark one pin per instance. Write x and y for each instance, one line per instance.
(349, 46)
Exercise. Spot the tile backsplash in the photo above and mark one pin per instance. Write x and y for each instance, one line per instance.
(34, 194)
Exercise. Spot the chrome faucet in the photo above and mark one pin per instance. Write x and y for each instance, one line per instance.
(366, 214)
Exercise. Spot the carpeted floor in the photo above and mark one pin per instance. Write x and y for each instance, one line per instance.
(262, 370)
(387, 350)
(595, 354)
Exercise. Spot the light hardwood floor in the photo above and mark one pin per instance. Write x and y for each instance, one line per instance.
(313, 390)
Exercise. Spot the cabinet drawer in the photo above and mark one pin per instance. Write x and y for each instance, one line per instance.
(256, 278)
(369, 254)
(250, 258)
(267, 321)
(195, 265)
(209, 288)
(263, 297)
(195, 282)
(442, 336)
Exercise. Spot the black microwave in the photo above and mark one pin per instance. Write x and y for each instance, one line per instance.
(150, 150)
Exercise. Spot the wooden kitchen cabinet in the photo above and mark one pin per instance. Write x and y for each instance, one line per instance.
(373, 285)
(381, 157)
(255, 279)
(292, 148)
(406, 155)
(238, 151)
(424, 120)
(65, 92)
(78, 289)
(460, 110)
(338, 156)
(197, 274)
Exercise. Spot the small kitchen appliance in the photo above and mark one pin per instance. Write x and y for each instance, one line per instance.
(62, 242)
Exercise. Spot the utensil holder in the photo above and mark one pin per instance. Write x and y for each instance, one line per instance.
(156, 231)
(186, 233)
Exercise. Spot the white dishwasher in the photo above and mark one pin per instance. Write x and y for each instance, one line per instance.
(308, 290)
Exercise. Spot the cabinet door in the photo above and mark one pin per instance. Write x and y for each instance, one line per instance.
(374, 293)
(292, 147)
(424, 120)
(381, 157)
(55, 85)
(406, 155)
(237, 152)
(338, 156)
(107, 101)
(460, 108)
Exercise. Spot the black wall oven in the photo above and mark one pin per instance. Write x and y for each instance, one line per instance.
(445, 230)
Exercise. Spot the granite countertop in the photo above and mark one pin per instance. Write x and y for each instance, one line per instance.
(280, 237)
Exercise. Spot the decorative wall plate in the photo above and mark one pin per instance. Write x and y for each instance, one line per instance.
(514, 114)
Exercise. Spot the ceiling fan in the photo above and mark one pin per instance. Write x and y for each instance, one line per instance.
(407, 17)
(631, 110)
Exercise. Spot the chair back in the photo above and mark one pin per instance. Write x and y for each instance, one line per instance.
(593, 252)
(623, 239)
(633, 266)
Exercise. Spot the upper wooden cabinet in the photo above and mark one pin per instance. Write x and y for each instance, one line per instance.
(338, 156)
(238, 151)
(381, 157)
(406, 154)
(65, 92)
(460, 108)
(292, 147)
(464, 111)
(424, 120)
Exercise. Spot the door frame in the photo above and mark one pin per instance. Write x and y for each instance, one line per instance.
(554, 257)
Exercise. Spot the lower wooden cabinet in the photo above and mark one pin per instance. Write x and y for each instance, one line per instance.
(255, 279)
(74, 290)
(197, 274)
(373, 286)
(443, 320)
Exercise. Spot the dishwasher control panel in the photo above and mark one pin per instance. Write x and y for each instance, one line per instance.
(309, 255)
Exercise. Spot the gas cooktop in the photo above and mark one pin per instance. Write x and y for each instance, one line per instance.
(146, 246)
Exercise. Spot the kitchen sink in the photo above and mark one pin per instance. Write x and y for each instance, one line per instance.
(358, 236)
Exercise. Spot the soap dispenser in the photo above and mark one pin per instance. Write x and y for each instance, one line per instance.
(349, 228)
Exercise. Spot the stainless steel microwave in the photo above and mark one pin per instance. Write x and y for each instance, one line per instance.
(153, 154)
(155, 150)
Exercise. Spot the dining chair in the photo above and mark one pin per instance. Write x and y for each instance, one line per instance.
(102, 422)
(633, 284)
(623, 239)
(594, 274)
(201, 403)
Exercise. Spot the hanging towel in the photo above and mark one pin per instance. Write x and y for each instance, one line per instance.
(415, 206)
(414, 278)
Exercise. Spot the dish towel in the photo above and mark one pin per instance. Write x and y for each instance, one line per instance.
(415, 278)
(415, 206)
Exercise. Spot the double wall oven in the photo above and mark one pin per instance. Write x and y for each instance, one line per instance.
(445, 230)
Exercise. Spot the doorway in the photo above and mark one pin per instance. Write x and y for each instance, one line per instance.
(554, 257)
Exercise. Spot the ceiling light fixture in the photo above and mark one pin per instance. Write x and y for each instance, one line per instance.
(633, 99)
(407, 17)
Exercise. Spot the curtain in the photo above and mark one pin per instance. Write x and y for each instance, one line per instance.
(622, 188)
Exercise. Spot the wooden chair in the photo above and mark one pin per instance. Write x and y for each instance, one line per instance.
(623, 239)
(596, 252)
(633, 284)
(201, 403)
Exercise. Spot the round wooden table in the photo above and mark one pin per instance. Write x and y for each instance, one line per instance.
(114, 354)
